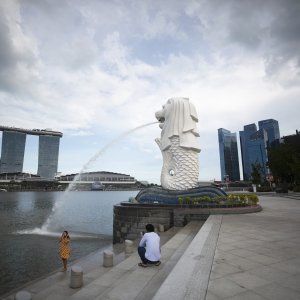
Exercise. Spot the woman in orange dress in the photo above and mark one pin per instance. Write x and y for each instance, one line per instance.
(64, 245)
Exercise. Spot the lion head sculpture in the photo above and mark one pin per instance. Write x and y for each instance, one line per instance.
(178, 144)
(178, 118)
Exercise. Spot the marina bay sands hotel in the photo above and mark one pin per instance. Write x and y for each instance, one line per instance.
(13, 149)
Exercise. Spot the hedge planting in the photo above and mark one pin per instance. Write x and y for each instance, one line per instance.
(230, 200)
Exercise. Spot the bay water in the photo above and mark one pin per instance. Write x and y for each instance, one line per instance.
(32, 222)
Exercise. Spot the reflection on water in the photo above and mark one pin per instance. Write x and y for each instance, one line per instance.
(27, 253)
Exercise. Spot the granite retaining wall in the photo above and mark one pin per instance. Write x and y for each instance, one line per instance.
(130, 219)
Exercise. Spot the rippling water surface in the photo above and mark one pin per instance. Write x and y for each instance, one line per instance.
(31, 223)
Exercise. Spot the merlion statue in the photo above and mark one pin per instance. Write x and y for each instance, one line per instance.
(178, 144)
(180, 151)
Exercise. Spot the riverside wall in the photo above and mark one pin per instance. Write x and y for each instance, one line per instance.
(130, 219)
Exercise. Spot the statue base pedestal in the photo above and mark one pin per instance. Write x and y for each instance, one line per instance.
(159, 195)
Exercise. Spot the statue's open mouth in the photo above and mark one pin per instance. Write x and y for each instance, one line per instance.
(160, 117)
(161, 121)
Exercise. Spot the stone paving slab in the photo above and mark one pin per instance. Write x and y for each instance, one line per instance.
(258, 255)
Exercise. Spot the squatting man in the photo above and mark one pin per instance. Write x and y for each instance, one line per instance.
(149, 248)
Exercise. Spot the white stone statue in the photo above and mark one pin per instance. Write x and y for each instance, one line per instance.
(178, 144)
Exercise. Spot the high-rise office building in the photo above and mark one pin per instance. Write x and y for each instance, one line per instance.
(229, 159)
(271, 126)
(12, 151)
(245, 137)
(13, 148)
(254, 144)
(48, 155)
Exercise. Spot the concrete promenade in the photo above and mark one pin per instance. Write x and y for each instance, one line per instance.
(258, 255)
(241, 256)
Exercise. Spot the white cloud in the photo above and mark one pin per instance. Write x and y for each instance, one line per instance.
(82, 133)
(18, 53)
(100, 68)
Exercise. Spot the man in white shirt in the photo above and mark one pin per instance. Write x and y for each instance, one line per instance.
(149, 248)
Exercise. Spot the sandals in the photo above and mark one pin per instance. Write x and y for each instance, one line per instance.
(142, 265)
(158, 263)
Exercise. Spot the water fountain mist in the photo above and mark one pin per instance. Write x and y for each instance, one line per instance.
(59, 203)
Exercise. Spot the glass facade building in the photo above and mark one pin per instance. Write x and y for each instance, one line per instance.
(13, 149)
(254, 144)
(229, 159)
(271, 126)
(48, 155)
(12, 152)
(245, 137)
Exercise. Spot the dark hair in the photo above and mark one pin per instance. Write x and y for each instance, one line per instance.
(65, 231)
(150, 228)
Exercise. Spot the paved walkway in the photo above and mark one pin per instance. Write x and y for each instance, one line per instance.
(248, 256)
(258, 255)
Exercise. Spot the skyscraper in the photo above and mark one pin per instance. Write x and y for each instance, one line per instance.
(48, 155)
(245, 148)
(13, 148)
(12, 152)
(272, 128)
(254, 144)
(229, 160)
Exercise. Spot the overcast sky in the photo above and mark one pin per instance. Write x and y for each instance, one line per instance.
(95, 69)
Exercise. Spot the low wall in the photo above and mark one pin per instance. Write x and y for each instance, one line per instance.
(130, 219)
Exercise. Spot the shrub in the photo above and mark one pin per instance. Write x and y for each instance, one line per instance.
(243, 199)
(217, 200)
(232, 199)
(187, 200)
(252, 199)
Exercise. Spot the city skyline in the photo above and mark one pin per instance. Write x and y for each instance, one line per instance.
(95, 70)
(237, 165)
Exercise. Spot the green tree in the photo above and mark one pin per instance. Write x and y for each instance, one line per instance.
(284, 163)
(256, 173)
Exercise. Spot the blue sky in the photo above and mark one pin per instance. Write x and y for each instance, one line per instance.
(95, 69)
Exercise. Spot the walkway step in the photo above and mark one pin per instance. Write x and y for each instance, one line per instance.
(151, 288)
(100, 281)
(189, 278)
(57, 283)
(128, 281)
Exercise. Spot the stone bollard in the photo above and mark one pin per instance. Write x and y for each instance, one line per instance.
(161, 228)
(23, 295)
(128, 246)
(76, 277)
(108, 258)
